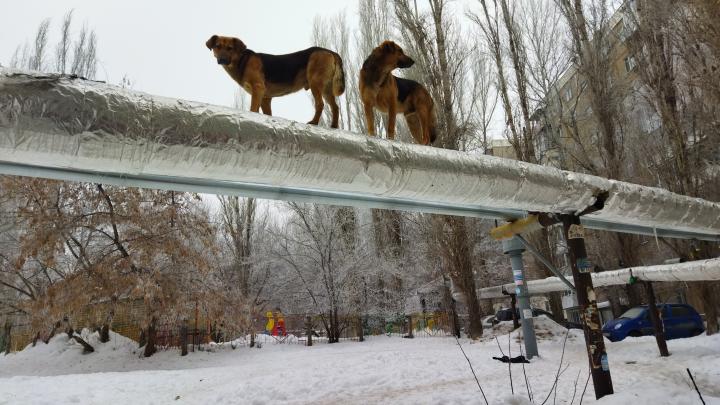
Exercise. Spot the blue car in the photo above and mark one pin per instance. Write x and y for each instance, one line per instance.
(679, 321)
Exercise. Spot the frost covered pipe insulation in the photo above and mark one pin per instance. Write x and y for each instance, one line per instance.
(74, 129)
(700, 270)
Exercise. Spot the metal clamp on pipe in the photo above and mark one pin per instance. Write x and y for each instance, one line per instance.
(523, 225)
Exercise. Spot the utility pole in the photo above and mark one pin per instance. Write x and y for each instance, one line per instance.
(514, 248)
(587, 301)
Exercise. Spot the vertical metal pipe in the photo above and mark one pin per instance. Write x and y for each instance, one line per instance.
(587, 301)
(514, 248)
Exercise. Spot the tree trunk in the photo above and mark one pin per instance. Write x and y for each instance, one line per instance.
(656, 321)
(710, 300)
(308, 330)
(634, 295)
(183, 338)
(333, 328)
(252, 339)
(614, 293)
(86, 346)
(336, 326)
(457, 254)
(142, 341)
(105, 333)
(493, 40)
(410, 327)
(52, 332)
(105, 330)
(6, 340)
(151, 336)
(527, 152)
(555, 300)
(361, 333)
(450, 308)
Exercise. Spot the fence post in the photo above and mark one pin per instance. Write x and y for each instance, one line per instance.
(308, 329)
(183, 338)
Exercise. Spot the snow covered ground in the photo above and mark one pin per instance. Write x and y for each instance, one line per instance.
(380, 370)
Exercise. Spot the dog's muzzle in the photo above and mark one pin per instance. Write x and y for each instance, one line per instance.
(223, 61)
(406, 63)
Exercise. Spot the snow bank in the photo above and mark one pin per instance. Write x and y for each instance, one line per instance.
(545, 329)
(380, 370)
(64, 354)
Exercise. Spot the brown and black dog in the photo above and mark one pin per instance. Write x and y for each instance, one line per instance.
(266, 76)
(379, 89)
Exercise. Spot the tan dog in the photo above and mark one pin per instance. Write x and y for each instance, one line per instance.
(380, 90)
(266, 76)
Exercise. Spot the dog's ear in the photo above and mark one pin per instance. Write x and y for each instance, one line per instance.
(210, 43)
(388, 46)
(238, 45)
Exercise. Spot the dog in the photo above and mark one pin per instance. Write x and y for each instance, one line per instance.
(380, 90)
(265, 76)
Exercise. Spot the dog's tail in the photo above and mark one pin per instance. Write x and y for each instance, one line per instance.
(433, 125)
(338, 77)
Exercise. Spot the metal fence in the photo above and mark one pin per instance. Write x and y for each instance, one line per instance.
(201, 331)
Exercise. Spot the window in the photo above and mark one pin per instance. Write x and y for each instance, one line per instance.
(628, 27)
(630, 63)
(679, 312)
(633, 313)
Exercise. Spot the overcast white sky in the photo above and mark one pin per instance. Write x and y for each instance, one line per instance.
(160, 45)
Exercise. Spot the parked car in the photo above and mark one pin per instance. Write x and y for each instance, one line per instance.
(679, 320)
(505, 314)
(489, 321)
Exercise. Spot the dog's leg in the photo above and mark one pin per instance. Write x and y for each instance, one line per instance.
(330, 99)
(415, 127)
(425, 121)
(392, 116)
(258, 93)
(369, 117)
(266, 109)
(316, 87)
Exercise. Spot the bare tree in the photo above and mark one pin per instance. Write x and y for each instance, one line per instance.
(434, 38)
(490, 28)
(37, 61)
(487, 100)
(238, 221)
(82, 61)
(674, 60)
(62, 49)
(330, 267)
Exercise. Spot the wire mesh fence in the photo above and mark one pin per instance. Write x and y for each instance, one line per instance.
(201, 333)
